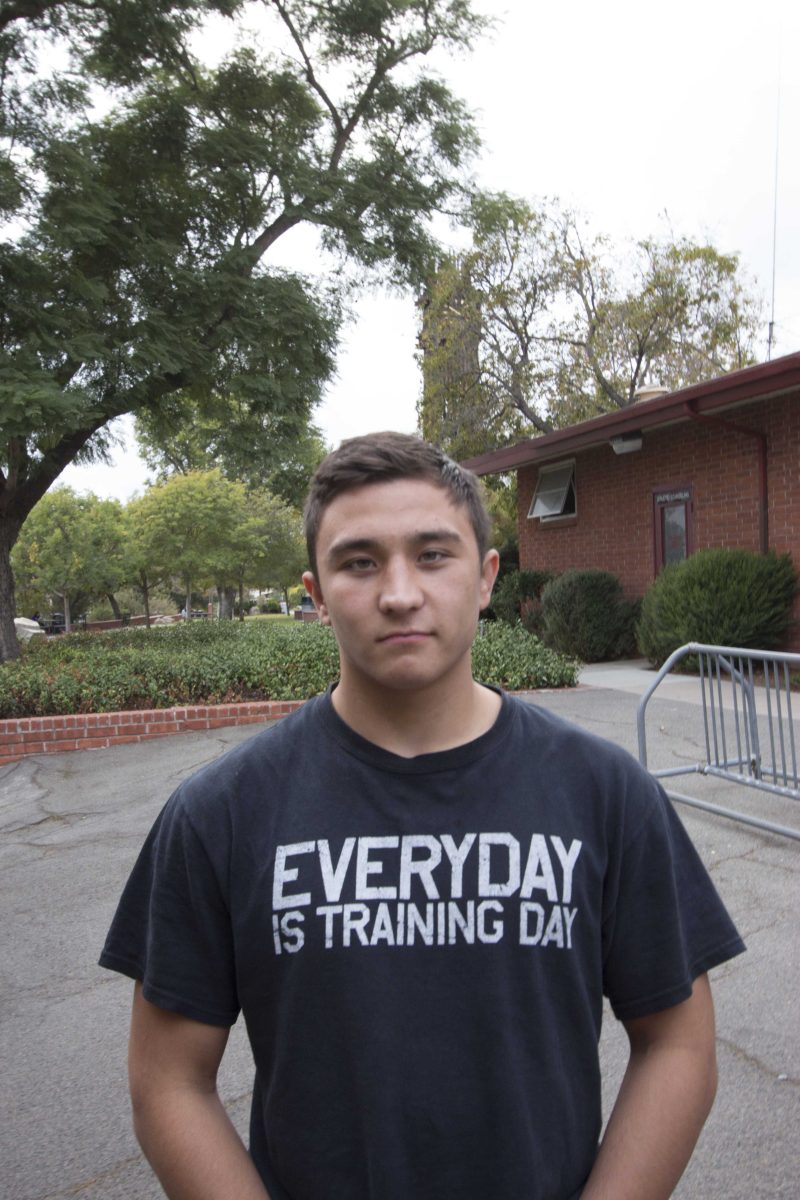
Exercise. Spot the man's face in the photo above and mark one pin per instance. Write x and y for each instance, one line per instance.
(401, 582)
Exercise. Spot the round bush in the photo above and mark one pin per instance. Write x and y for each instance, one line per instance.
(586, 614)
(517, 597)
(720, 597)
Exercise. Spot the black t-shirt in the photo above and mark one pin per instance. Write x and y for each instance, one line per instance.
(420, 947)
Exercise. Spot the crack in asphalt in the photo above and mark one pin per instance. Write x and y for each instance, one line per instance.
(75, 1189)
(753, 1061)
(48, 849)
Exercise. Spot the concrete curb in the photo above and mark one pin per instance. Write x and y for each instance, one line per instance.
(22, 736)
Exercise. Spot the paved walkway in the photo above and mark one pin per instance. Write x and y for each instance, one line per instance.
(636, 675)
(70, 827)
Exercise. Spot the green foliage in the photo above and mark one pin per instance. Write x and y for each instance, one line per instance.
(209, 662)
(517, 597)
(586, 614)
(510, 657)
(720, 597)
(274, 451)
(540, 324)
(71, 547)
(197, 662)
(143, 193)
(209, 530)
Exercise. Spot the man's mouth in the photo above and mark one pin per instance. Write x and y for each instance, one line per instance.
(403, 637)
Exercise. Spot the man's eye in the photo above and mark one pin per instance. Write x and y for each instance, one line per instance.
(358, 564)
(432, 556)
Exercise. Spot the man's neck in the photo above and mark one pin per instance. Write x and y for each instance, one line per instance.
(417, 722)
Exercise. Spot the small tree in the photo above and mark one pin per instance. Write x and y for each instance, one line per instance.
(184, 527)
(72, 546)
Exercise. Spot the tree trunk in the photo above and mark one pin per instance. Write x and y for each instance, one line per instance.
(9, 646)
(67, 614)
(241, 597)
(187, 608)
(227, 596)
(112, 600)
(144, 587)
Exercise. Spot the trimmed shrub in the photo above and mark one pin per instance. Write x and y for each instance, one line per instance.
(190, 663)
(517, 597)
(585, 614)
(510, 657)
(222, 662)
(720, 597)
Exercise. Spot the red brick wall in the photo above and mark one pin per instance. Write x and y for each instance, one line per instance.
(22, 736)
(614, 526)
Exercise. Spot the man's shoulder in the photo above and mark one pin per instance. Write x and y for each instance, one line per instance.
(583, 769)
(535, 723)
(267, 756)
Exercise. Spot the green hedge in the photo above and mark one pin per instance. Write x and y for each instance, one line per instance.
(721, 597)
(509, 656)
(517, 597)
(586, 614)
(214, 663)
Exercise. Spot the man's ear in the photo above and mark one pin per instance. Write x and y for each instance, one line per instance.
(489, 569)
(315, 592)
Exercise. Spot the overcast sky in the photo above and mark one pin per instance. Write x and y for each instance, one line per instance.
(645, 118)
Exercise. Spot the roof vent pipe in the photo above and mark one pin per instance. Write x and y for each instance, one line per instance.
(649, 391)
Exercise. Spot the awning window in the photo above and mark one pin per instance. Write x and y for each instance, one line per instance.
(555, 493)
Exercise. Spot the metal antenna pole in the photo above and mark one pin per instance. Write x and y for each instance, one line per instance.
(771, 334)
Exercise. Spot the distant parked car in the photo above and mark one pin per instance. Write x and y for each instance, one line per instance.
(27, 629)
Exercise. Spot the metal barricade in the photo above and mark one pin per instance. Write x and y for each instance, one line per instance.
(743, 745)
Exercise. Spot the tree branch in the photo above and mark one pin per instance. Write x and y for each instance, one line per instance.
(26, 10)
(311, 77)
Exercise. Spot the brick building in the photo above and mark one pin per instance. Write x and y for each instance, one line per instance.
(715, 464)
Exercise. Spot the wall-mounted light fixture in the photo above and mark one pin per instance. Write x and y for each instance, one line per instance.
(626, 443)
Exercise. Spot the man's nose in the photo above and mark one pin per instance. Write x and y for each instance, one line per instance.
(400, 590)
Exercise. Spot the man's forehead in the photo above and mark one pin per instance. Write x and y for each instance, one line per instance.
(384, 510)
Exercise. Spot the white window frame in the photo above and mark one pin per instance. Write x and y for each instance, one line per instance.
(547, 503)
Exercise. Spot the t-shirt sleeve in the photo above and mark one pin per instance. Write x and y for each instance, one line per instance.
(665, 924)
(172, 929)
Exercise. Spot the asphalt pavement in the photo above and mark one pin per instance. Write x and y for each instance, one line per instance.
(72, 824)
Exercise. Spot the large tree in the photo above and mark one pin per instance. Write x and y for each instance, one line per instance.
(562, 326)
(144, 193)
(278, 450)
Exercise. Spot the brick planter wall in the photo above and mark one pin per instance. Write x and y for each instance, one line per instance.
(21, 736)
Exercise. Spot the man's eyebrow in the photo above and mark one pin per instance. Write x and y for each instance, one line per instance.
(436, 535)
(348, 545)
(370, 545)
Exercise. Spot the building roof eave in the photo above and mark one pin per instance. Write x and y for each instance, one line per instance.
(761, 382)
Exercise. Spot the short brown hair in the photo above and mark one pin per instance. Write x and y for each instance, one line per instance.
(381, 457)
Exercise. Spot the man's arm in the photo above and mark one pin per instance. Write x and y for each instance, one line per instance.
(178, 1117)
(665, 1097)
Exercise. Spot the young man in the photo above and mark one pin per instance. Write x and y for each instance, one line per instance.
(417, 890)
